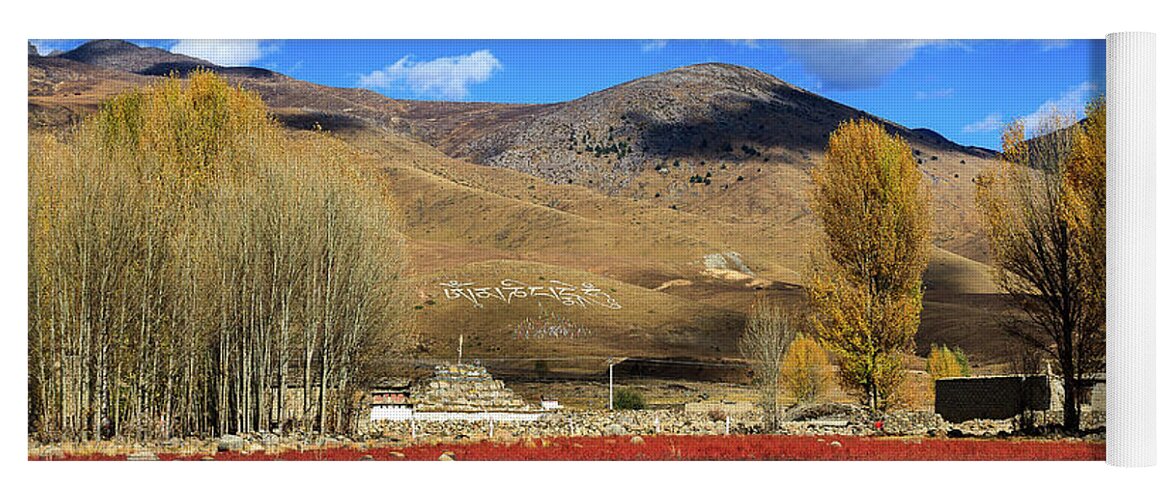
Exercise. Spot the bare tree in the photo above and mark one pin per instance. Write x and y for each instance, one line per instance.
(767, 335)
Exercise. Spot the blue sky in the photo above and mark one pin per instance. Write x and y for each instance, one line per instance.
(964, 89)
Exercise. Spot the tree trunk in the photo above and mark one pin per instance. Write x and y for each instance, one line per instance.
(1071, 407)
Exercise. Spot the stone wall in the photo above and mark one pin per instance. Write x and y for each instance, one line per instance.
(991, 398)
(1097, 400)
(577, 423)
(650, 422)
(730, 408)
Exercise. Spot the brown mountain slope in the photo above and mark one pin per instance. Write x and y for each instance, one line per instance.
(131, 58)
(128, 57)
(465, 221)
(718, 140)
(96, 70)
(61, 91)
(704, 110)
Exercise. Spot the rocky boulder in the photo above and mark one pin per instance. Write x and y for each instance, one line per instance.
(142, 456)
(851, 414)
(230, 443)
(615, 430)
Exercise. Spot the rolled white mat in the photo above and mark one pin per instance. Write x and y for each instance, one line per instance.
(1130, 249)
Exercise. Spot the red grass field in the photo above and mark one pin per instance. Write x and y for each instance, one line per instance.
(752, 447)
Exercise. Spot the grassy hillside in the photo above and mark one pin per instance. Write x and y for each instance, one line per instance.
(683, 258)
(465, 218)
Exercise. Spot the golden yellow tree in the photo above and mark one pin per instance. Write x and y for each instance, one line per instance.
(1084, 187)
(805, 370)
(1044, 210)
(944, 362)
(866, 285)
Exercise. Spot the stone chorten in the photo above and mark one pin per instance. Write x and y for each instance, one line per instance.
(465, 388)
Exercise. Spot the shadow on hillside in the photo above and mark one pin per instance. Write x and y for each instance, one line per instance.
(329, 122)
(727, 130)
(182, 69)
(741, 129)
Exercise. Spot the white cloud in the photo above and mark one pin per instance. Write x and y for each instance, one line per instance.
(988, 124)
(223, 52)
(445, 77)
(653, 45)
(1072, 103)
(855, 64)
(46, 47)
(1047, 45)
(928, 95)
(751, 44)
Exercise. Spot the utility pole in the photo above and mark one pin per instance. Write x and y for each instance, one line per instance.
(610, 361)
(459, 360)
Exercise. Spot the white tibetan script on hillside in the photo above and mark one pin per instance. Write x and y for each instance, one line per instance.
(509, 289)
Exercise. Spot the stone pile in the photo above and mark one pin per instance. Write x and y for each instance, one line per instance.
(852, 414)
(465, 388)
(982, 428)
(1091, 420)
(914, 423)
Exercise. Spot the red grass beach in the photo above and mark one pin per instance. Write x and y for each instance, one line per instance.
(660, 448)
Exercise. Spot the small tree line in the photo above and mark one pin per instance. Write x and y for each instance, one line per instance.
(1044, 208)
(189, 264)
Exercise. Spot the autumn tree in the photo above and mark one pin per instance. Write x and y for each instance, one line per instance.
(944, 362)
(187, 258)
(1084, 188)
(805, 370)
(769, 331)
(1044, 208)
(865, 285)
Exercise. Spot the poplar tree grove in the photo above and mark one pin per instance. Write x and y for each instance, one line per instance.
(195, 270)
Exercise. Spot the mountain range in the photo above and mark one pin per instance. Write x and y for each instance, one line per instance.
(681, 195)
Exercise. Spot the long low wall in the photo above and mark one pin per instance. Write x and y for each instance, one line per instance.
(400, 414)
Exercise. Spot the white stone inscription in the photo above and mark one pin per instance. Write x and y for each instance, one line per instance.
(509, 289)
